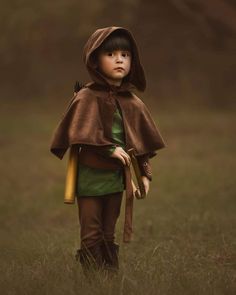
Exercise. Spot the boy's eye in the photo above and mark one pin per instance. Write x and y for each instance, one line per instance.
(125, 54)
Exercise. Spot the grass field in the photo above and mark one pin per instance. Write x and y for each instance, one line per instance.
(184, 232)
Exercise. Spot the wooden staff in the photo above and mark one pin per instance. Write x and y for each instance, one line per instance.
(139, 192)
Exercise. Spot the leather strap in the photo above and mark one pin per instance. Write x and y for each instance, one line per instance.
(92, 159)
(128, 228)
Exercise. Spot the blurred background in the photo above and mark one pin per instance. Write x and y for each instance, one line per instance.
(185, 231)
(188, 47)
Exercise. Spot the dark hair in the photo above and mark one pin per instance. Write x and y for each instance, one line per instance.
(116, 41)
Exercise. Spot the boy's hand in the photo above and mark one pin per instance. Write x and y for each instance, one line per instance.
(120, 154)
(146, 183)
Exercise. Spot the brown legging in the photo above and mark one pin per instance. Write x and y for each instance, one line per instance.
(98, 216)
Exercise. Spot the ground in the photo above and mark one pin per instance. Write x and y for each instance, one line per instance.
(184, 232)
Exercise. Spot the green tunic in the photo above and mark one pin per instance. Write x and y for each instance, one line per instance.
(97, 182)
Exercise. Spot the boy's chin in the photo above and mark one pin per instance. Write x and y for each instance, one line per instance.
(114, 80)
(117, 77)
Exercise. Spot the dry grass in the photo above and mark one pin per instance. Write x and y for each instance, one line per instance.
(184, 240)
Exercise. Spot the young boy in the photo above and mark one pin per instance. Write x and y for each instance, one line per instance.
(105, 119)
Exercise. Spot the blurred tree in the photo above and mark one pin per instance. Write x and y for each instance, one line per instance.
(186, 58)
(188, 46)
(201, 10)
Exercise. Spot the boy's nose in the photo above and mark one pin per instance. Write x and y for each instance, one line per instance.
(119, 59)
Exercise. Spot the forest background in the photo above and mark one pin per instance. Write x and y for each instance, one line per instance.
(184, 232)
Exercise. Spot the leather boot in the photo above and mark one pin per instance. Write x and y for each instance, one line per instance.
(110, 251)
(91, 258)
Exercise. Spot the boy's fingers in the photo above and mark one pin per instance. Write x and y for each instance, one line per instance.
(122, 159)
(127, 157)
(123, 156)
(128, 161)
(125, 160)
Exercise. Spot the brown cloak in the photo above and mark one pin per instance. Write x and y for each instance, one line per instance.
(88, 118)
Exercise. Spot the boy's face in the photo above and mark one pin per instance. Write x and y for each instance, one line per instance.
(114, 65)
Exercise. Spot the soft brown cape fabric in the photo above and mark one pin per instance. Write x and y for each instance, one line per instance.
(88, 118)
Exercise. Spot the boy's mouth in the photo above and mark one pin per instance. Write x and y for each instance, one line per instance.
(119, 68)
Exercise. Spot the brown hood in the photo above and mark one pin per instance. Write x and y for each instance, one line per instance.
(136, 76)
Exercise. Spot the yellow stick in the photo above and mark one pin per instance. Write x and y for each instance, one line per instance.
(71, 176)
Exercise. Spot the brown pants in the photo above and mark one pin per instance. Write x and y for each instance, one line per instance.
(98, 216)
